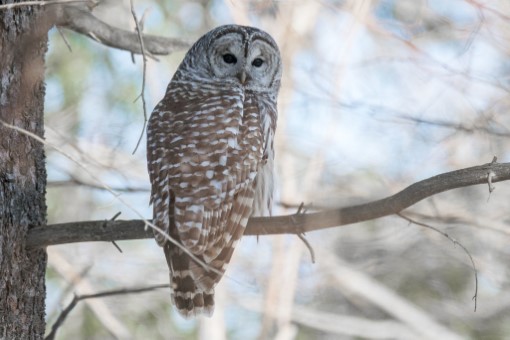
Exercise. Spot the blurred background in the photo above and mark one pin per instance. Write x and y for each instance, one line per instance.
(376, 95)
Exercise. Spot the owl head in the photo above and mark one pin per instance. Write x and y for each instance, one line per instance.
(234, 55)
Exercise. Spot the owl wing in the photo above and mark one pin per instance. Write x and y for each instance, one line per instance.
(158, 169)
(203, 159)
(254, 186)
(197, 165)
(213, 160)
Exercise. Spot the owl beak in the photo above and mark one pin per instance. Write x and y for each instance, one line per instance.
(242, 76)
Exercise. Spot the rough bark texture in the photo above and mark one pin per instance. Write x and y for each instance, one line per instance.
(23, 43)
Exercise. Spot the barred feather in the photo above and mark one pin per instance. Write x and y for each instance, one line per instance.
(210, 155)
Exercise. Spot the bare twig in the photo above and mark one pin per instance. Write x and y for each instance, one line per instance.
(455, 242)
(83, 22)
(117, 246)
(302, 210)
(288, 205)
(106, 226)
(458, 126)
(308, 245)
(76, 181)
(144, 60)
(77, 298)
(461, 216)
(64, 39)
(490, 176)
(40, 3)
(70, 272)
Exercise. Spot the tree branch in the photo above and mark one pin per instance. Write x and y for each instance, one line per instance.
(38, 3)
(77, 298)
(290, 224)
(83, 22)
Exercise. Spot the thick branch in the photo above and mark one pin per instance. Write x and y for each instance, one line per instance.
(85, 23)
(289, 224)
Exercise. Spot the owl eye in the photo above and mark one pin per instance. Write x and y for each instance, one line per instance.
(229, 58)
(257, 62)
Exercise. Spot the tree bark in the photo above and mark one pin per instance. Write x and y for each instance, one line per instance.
(23, 43)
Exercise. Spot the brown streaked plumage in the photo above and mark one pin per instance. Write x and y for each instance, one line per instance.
(210, 156)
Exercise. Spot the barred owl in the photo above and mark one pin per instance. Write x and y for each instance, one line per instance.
(210, 156)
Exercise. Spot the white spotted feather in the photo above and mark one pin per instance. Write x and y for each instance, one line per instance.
(210, 156)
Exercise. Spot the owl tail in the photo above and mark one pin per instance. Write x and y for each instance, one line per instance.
(189, 299)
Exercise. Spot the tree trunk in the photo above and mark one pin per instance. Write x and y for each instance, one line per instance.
(23, 43)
